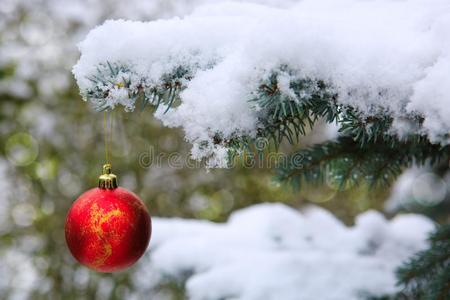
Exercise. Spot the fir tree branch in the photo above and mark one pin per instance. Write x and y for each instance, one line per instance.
(346, 162)
(427, 274)
(287, 107)
(114, 77)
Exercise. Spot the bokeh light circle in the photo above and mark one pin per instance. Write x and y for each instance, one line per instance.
(21, 149)
(429, 189)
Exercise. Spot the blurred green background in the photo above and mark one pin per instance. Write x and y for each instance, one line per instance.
(51, 150)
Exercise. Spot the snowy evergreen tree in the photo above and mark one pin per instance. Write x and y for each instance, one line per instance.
(235, 75)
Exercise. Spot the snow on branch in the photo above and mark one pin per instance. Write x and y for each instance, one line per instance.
(271, 251)
(381, 57)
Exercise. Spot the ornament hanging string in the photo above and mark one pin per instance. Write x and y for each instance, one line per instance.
(107, 180)
(107, 129)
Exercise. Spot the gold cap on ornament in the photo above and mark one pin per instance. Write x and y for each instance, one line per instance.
(107, 180)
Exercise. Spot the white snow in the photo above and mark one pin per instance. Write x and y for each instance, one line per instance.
(42, 45)
(271, 251)
(380, 55)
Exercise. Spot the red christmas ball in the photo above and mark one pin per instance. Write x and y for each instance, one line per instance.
(108, 230)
